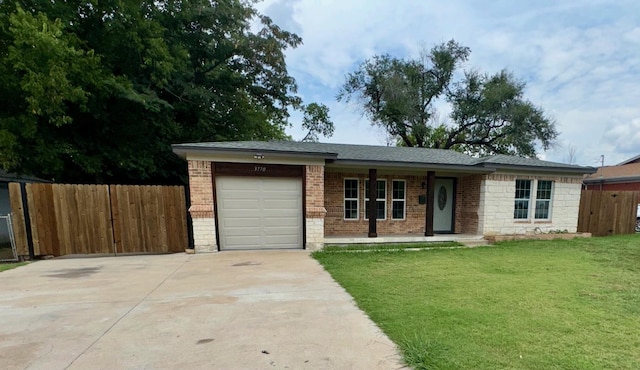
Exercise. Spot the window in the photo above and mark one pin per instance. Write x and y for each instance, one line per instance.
(398, 197)
(523, 197)
(381, 199)
(542, 210)
(543, 199)
(350, 199)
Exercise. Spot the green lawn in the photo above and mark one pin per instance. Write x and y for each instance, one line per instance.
(517, 305)
(390, 246)
(11, 265)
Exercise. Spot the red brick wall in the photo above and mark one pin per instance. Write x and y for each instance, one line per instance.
(629, 186)
(314, 192)
(467, 204)
(200, 189)
(335, 224)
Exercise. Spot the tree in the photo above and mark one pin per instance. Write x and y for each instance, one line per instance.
(489, 114)
(571, 154)
(316, 119)
(97, 91)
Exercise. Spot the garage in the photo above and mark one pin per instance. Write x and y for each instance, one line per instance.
(259, 212)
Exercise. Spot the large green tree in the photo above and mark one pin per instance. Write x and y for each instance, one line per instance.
(489, 113)
(96, 91)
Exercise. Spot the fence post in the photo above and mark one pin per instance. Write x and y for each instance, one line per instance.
(187, 198)
(27, 220)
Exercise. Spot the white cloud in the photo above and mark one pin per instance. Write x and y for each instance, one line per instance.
(625, 137)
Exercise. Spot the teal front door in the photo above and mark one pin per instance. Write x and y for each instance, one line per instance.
(443, 205)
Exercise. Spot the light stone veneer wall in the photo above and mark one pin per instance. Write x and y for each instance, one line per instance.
(497, 201)
(315, 233)
(204, 235)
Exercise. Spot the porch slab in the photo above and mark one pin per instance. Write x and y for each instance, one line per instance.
(404, 238)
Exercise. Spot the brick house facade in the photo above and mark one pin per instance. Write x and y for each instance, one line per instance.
(480, 203)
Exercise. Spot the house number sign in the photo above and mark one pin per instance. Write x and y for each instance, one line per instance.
(256, 169)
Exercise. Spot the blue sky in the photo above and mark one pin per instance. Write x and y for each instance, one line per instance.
(579, 59)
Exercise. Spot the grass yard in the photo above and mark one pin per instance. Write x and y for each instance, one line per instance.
(10, 265)
(390, 246)
(564, 304)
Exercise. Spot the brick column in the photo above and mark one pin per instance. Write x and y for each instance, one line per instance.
(314, 207)
(201, 207)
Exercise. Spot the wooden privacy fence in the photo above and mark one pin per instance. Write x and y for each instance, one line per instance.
(111, 219)
(607, 212)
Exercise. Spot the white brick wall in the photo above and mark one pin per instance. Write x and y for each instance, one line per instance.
(497, 202)
(315, 233)
(204, 235)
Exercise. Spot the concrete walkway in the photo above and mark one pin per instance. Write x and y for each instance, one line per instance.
(231, 310)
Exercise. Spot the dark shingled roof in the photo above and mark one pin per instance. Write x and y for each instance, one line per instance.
(12, 177)
(510, 160)
(371, 153)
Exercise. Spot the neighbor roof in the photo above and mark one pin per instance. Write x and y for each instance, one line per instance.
(635, 159)
(363, 154)
(618, 173)
(12, 177)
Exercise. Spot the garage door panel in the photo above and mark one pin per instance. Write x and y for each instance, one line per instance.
(239, 186)
(241, 223)
(282, 222)
(246, 241)
(233, 195)
(282, 204)
(241, 203)
(279, 213)
(241, 213)
(279, 197)
(259, 213)
(282, 233)
(240, 233)
(279, 240)
(276, 184)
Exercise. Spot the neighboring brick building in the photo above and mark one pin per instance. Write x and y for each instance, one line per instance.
(253, 195)
(623, 176)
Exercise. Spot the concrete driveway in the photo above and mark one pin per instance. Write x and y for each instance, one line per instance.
(230, 310)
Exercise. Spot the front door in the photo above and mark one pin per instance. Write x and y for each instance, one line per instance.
(443, 206)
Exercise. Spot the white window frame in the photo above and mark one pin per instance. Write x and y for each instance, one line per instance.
(529, 199)
(549, 201)
(533, 200)
(345, 199)
(403, 200)
(384, 200)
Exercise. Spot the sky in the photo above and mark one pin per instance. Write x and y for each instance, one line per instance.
(580, 60)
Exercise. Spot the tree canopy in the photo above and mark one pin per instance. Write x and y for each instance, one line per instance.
(489, 113)
(96, 91)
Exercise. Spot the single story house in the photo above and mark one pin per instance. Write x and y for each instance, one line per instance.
(285, 194)
(624, 176)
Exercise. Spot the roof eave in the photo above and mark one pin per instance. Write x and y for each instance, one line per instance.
(184, 150)
(611, 180)
(426, 166)
(630, 160)
(566, 170)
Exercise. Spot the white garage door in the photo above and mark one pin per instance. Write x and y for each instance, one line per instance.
(259, 212)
